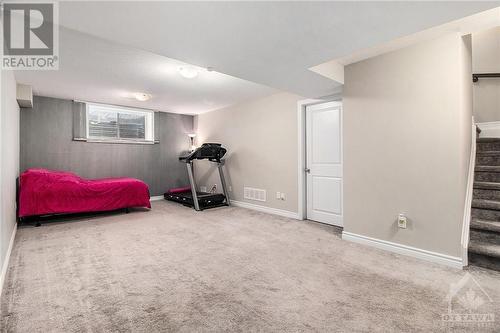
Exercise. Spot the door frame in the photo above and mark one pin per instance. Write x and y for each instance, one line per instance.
(301, 150)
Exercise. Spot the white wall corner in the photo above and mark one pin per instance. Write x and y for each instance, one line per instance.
(434, 257)
(6, 260)
(331, 69)
(468, 198)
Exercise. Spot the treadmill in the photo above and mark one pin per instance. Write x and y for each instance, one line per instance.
(214, 152)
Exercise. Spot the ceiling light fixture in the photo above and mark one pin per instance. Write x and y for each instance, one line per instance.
(142, 96)
(188, 72)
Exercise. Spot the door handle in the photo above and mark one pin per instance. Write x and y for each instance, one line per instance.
(307, 170)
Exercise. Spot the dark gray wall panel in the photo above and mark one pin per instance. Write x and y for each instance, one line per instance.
(47, 142)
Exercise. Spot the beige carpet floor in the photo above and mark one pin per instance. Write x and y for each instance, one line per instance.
(172, 269)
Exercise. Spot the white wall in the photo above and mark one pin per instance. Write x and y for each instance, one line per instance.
(407, 144)
(486, 59)
(261, 138)
(9, 162)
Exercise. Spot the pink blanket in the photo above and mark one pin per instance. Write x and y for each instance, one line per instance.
(53, 192)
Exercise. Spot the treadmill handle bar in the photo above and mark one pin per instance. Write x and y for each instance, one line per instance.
(189, 165)
(223, 181)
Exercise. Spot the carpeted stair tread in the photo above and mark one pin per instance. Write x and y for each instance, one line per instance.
(491, 177)
(486, 204)
(483, 248)
(487, 185)
(484, 261)
(486, 225)
(488, 140)
(484, 236)
(479, 140)
(489, 152)
(487, 168)
(485, 214)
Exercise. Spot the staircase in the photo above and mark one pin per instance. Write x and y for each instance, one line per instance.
(484, 244)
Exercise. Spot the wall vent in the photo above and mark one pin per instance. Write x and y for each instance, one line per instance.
(254, 194)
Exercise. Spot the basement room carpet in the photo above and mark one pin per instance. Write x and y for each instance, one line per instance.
(172, 269)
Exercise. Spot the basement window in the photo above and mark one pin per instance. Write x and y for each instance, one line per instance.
(107, 123)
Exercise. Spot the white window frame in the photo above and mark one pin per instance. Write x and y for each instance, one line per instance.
(149, 130)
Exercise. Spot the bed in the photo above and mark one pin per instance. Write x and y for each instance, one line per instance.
(46, 192)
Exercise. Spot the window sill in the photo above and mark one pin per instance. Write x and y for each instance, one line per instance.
(133, 142)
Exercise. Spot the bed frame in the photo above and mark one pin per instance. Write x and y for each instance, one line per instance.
(37, 220)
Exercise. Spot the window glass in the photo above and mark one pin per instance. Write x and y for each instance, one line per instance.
(120, 124)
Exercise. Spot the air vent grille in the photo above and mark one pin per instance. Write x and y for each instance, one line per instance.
(254, 194)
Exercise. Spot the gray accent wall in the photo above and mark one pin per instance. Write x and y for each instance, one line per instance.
(47, 142)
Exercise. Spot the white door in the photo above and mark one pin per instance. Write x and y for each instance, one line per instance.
(324, 162)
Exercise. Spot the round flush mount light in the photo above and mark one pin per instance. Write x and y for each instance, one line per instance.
(188, 72)
(142, 96)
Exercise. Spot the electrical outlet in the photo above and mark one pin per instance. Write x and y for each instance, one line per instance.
(203, 189)
(278, 195)
(402, 221)
(230, 188)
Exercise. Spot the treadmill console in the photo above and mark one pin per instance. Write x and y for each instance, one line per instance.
(213, 152)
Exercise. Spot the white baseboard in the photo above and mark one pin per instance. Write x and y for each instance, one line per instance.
(274, 211)
(489, 129)
(156, 198)
(435, 257)
(7, 258)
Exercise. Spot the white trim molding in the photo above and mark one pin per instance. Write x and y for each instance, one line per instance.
(489, 129)
(468, 198)
(156, 198)
(301, 148)
(301, 153)
(264, 209)
(5, 265)
(435, 257)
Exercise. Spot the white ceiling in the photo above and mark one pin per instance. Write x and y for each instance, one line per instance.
(115, 48)
(93, 69)
(272, 43)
